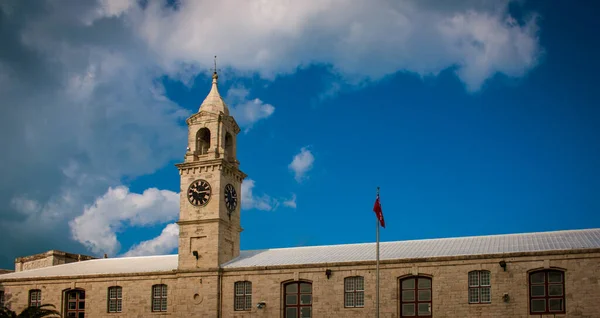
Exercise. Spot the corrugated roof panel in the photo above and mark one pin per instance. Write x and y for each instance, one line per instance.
(477, 245)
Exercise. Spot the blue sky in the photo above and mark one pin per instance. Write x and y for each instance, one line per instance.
(457, 148)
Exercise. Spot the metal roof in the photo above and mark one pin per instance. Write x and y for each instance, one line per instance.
(415, 249)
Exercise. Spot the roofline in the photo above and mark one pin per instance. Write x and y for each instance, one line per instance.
(423, 240)
(313, 265)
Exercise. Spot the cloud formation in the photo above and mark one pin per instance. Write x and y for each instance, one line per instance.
(477, 38)
(118, 209)
(166, 242)
(83, 109)
(247, 111)
(302, 163)
(250, 201)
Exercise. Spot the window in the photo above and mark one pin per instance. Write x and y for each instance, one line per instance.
(415, 297)
(35, 298)
(115, 299)
(243, 296)
(480, 287)
(298, 300)
(1, 298)
(75, 303)
(202, 141)
(547, 292)
(159, 297)
(354, 291)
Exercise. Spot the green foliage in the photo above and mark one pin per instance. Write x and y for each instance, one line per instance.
(43, 311)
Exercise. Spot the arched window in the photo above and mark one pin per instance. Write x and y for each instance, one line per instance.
(298, 299)
(115, 299)
(243, 295)
(354, 291)
(547, 292)
(159, 297)
(229, 146)
(203, 141)
(480, 287)
(75, 303)
(35, 298)
(415, 296)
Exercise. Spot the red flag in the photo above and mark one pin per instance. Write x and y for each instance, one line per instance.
(378, 212)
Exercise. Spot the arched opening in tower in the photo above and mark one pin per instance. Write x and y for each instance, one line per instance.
(203, 141)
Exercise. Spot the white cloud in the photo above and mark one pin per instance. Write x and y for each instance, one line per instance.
(247, 111)
(165, 243)
(291, 203)
(366, 40)
(118, 208)
(302, 163)
(83, 110)
(250, 201)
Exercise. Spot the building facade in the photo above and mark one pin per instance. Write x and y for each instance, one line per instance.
(551, 274)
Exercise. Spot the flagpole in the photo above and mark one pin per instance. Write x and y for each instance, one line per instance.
(377, 266)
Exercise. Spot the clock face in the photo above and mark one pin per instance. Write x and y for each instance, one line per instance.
(231, 198)
(199, 192)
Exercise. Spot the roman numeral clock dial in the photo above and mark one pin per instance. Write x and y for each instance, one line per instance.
(231, 198)
(199, 192)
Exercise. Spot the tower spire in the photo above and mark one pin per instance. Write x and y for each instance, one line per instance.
(215, 70)
(213, 102)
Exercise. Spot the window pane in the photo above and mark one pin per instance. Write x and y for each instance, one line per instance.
(112, 293)
(248, 302)
(349, 299)
(555, 290)
(81, 315)
(305, 299)
(408, 309)
(291, 288)
(408, 283)
(473, 295)
(360, 283)
(291, 299)
(349, 282)
(81, 294)
(538, 278)
(486, 295)
(248, 288)
(538, 291)
(164, 290)
(239, 303)
(484, 278)
(424, 283)
(360, 299)
(291, 313)
(82, 305)
(72, 305)
(555, 277)
(538, 305)
(424, 295)
(425, 309)
(305, 288)
(163, 306)
(555, 304)
(119, 292)
(473, 279)
(408, 295)
(239, 288)
(119, 306)
(305, 312)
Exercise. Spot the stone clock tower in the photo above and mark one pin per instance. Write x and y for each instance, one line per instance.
(209, 214)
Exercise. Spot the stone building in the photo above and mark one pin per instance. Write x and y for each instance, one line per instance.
(550, 274)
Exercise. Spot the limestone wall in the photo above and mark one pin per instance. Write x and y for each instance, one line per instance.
(197, 294)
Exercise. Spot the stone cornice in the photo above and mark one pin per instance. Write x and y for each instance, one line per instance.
(219, 164)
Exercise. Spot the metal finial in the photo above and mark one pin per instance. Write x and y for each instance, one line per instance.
(377, 190)
(215, 69)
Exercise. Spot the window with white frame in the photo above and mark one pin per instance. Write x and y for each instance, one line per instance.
(243, 295)
(480, 287)
(35, 298)
(159, 297)
(115, 299)
(354, 291)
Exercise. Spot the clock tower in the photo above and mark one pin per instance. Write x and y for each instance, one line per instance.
(209, 213)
